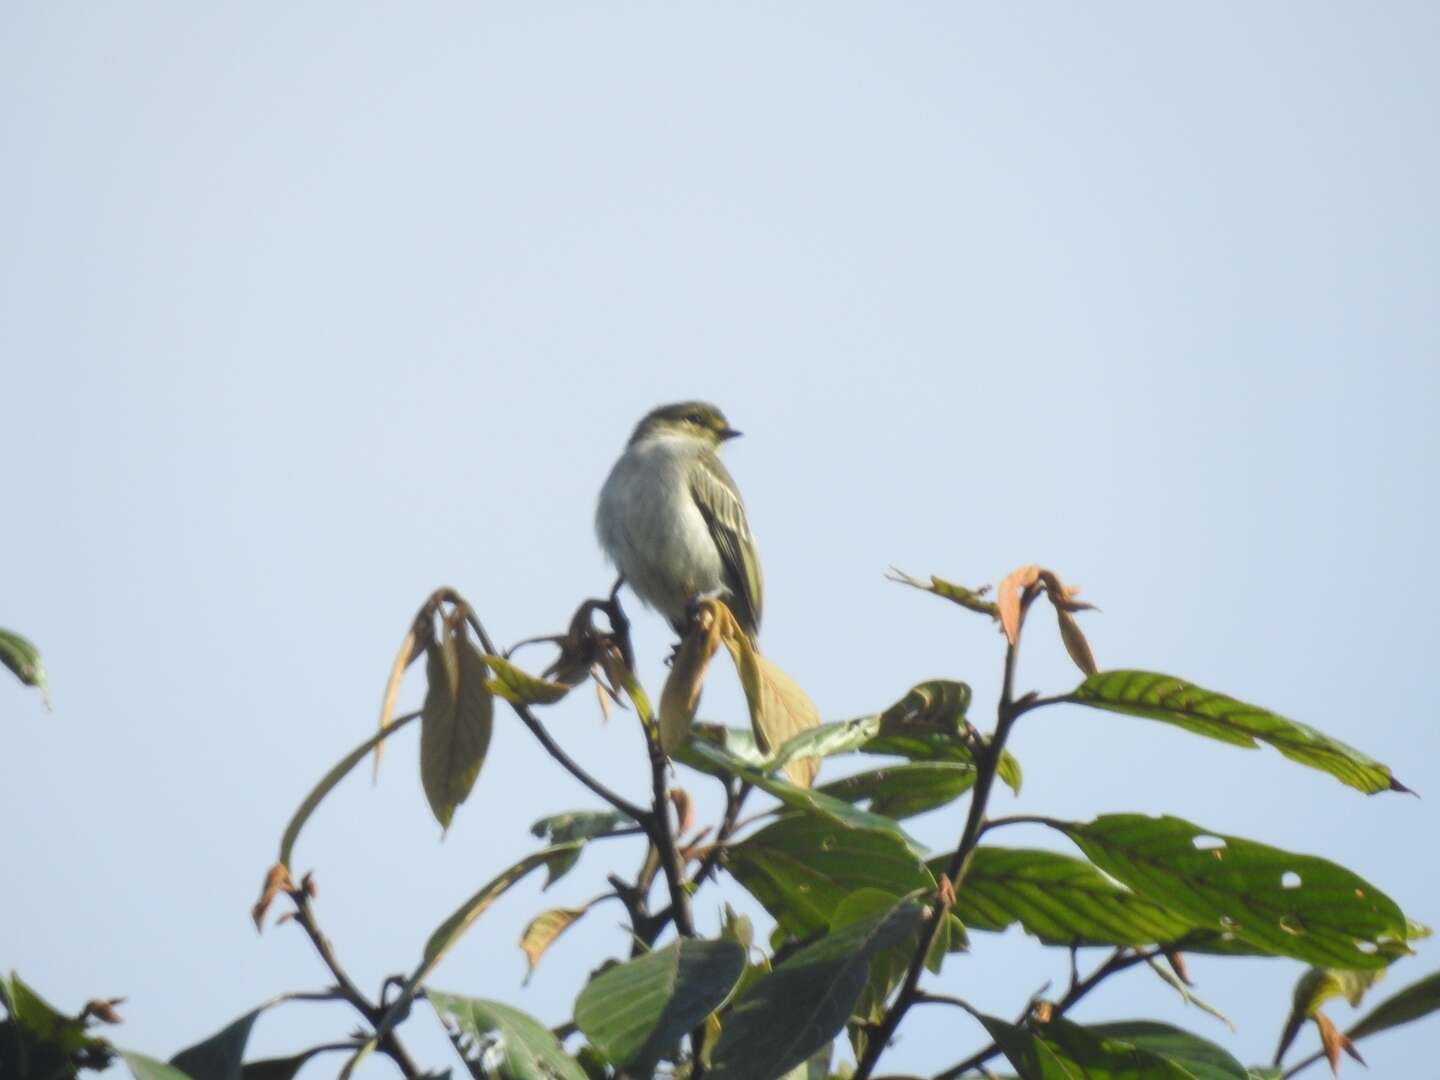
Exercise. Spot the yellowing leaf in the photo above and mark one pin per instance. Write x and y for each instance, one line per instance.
(520, 687)
(680, 697)
(542, 931)
(779, 709)
(411, 649)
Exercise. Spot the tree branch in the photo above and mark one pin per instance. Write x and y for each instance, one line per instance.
(987, 764)
(345, 986)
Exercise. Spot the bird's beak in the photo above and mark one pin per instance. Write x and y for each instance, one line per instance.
(729, 433)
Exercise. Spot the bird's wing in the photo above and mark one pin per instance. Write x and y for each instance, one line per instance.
(715, 494)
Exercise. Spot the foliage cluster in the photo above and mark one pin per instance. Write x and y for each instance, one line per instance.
(862, 912)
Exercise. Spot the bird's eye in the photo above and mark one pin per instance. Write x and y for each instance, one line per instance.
(695, 418)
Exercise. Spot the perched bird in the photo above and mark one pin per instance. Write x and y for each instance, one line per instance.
(671, 520)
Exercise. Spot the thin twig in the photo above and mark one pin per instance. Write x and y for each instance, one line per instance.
(987, 764)
(1121, 959)
(345, 986)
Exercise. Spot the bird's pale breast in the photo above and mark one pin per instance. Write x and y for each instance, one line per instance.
(649, 525)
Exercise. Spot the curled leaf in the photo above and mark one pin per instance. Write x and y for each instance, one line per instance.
(456, 722)
(102, 1009)
(779, 709)
(411, 649)
(1008, 598)
(277, 880)
(684, 810)
(1075, 643)
(520, 687)
(1333, 1040)
(23, 659)
(540, 933)
(971, 599)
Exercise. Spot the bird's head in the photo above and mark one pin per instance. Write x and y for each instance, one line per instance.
(686, 419)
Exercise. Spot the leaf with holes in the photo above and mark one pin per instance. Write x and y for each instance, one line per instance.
(1279, 902)
(456, 722)
(1059, 899)
(500, 1042)
(636, 1011)
(804, 1003)
(801, 868)
(901, 791)
(1174, 701)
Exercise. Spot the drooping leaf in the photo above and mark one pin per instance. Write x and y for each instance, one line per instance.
(801, 868)
(1075, 643)
(457, 720)
(901, 791)
(1416, 1000)
(519, 687)
(680, 696)
(416, 641)
(1282, 903)
(328, 782)
(636, 1011)
(147, 1068)
(1058, 899)
(1317, 986)
(1199, 1057)
(500, 1042)
(799, 798)
(803, 1004)
(577, 827)
(779, 709)
(541, 931)
(1174, 701)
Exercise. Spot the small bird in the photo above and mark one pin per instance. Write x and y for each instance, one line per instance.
(671, 519)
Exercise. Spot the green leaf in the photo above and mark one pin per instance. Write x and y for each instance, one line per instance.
(219, 1057)
(444, 939)
(500, 1042)
(520, 687)
(803, 1004)
(1174, 701)
(1200, 1058)
(285, 1068)
(1061, 1050)
(578, 827)
(40, 1040)
(636, 1011)
(901, 791)
(836, 737)
(1416, 1000)
(1279, 902)
(457, 719)
(327, 784)
(804, 799)
(1058, 899)
(22, 658)
(928, 724)
(801, 868)
(147, 1068)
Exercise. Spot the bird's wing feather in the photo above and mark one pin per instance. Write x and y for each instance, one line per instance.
(715, 494)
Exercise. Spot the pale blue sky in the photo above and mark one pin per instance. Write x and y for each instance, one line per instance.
(307, 310)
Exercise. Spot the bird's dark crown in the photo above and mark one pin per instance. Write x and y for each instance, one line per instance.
(696, 418)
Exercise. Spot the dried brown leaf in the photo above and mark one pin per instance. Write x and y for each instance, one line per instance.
(680, 697)
(1007, 598)
(1176, 959)
(307, 884)
(102, 1009)
(277, 880)
(779, 709)
(684, 810)
(1333, 1040)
